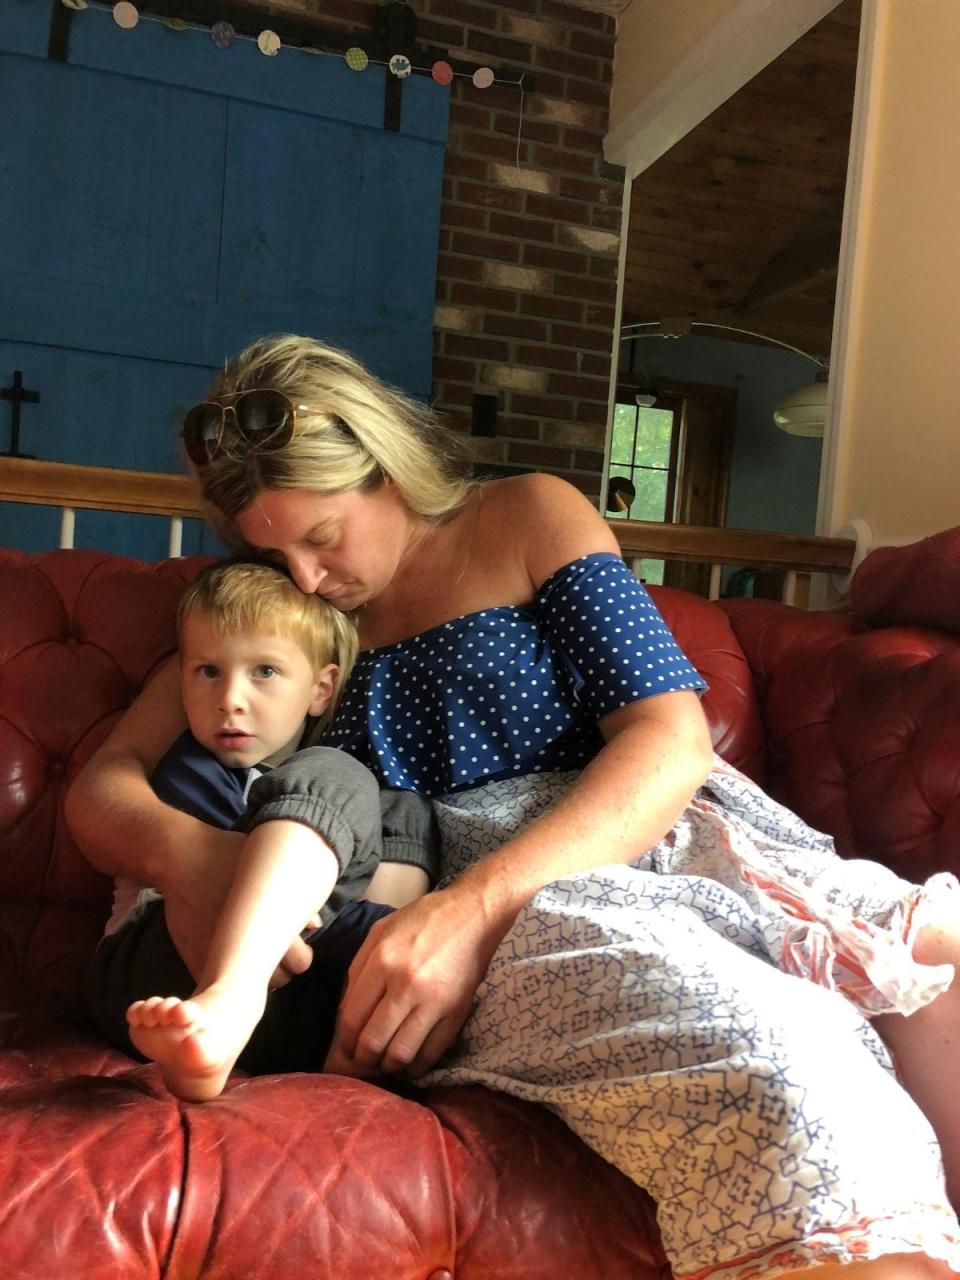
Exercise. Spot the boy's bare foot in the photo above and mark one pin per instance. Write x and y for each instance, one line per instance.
(195, 1042)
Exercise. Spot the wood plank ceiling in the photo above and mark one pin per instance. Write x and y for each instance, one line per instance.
(739, 223)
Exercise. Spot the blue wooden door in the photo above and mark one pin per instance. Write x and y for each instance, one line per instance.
(163, 202)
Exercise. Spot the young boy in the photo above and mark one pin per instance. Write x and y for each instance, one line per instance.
(258, 661)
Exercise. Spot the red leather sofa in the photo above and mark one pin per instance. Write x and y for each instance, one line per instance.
(104, 1176)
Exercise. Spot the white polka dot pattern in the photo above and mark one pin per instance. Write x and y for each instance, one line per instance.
(511, 690)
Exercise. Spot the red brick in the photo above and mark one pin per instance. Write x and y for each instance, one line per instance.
(505, 224)
(464, 166)
(542, 206)
(480, 295)
(452, 393)
(553, 86)
(545, 406)
(523, 428)
(608, 219)
(572, 64)
(477, 15)
(565, 161)
(463, 216)
(575, 336)
(448, 369)
(486, 247)
(553, 308)
(532, 130)
(500, 48)
(605, 268)
(597, 95)
(599, 365)
(441, 33)
(569, 384)
(456, 344)
(547, 357)
(601, 45)
(494, 146)
(554, 259)
(587, 460)
(587, 484)
(515, 327)
(450, 264)
(539, 455)
(491, 197)
(599, 316)
(471, 115)
(590, 411)
(581, 140)
(610, 193)
(577, 287)
(573, 15)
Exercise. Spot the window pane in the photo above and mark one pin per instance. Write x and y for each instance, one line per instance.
(651, 571)
(624, 421)
(651, 500)
(654, 428)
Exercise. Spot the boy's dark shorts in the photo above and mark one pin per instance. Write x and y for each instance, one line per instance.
(295, 1032)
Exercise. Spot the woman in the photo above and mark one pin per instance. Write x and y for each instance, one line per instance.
(513, 670)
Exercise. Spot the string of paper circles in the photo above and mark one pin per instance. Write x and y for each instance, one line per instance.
(126, 15)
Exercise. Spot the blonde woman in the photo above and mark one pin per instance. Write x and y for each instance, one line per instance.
(609, 937)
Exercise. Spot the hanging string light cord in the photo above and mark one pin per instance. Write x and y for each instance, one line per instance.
(706, 324)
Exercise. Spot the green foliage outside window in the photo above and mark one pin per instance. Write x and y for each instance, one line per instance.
(640, 451)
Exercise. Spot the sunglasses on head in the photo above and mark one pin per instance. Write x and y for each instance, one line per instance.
(263, 417)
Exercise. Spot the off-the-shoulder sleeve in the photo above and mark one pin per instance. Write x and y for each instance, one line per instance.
(611, 635)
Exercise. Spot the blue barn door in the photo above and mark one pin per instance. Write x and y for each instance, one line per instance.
(162, 203)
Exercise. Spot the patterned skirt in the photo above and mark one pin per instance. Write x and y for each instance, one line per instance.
(701, 1018)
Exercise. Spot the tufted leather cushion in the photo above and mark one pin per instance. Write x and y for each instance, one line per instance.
(103, 1175)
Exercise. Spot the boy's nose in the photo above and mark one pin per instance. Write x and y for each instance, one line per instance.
(232, 695)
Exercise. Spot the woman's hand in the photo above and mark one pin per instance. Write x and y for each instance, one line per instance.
(411, 986)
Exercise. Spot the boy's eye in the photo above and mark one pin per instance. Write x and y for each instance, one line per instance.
(207, 671)
(264, 671)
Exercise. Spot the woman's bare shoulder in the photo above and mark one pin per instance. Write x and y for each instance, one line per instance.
(546, 520)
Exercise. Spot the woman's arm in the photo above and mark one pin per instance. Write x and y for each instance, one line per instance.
(412, 984)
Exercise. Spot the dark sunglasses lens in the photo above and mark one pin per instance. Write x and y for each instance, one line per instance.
(265, 415)
(201, 431)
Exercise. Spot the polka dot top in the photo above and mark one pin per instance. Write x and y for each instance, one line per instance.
(512, 689)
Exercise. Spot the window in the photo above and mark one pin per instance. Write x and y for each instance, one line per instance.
(643, 452)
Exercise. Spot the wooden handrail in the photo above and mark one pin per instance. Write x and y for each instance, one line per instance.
(68, 485)
(754, 548)
(65, 484)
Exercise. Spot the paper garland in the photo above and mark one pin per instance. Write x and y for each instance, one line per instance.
(223, 34)
(126, 15)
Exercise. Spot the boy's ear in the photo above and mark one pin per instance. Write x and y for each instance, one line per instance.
(324, 688)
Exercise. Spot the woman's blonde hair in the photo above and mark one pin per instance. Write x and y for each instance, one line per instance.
(352, 432)
(247, 595)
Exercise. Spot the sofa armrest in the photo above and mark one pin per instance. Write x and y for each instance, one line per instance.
(863, 730)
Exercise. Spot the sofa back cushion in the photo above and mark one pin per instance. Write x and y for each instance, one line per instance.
(81, 632)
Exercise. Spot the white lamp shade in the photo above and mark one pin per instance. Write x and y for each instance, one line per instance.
(803, 412)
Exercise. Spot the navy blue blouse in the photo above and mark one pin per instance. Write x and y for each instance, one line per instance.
(512, 689)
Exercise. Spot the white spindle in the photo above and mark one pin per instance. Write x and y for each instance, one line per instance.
(175, 549)
(789, 593)
(68, 524)
(716, 573)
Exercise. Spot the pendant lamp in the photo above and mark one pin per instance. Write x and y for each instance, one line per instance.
(803, 412)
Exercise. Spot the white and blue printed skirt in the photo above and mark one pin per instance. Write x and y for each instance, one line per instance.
(701, 1018)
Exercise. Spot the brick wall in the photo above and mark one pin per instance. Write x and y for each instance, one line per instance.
(529, 233)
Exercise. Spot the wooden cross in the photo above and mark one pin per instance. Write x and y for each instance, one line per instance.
(17, 395)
